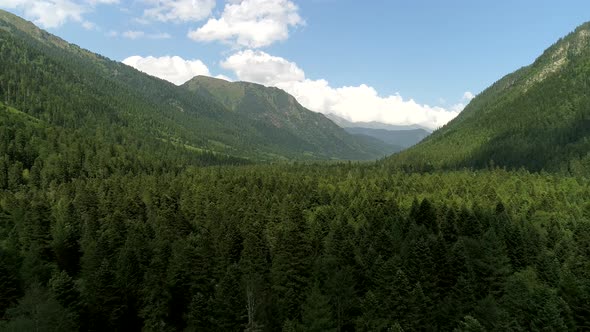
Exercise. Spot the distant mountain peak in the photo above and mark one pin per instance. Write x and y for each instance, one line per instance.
(372, 124)
(203, 79)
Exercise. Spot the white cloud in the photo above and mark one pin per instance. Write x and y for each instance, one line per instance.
(179, 10)
(102, 2)
(458, 107)
(133, 34)
(251, 23)
(137, 34)
(89, 25)
(354, 103)
(468, 95)
(161, 35)
(55, 13)
(173, 69)
(263, 68)
(223, 77)
(48, 13)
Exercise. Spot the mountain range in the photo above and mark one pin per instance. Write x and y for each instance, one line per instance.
(398, 137)
(537, 117)
(63, 85)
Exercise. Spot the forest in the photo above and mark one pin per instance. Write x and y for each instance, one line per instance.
(129, 204)
(284, 247)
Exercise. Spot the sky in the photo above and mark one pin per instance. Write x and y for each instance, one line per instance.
(399, 62)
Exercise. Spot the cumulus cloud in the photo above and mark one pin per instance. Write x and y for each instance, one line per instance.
(263, 68)
(355, 103)
(251, 23)
(160, 35)
(89, 25)
(458, 107)
(468, 95)
(171, 68)
(54, 13)
(103, 2)
(137, 34)
(133, 34)
(48, 13)
(179, 10)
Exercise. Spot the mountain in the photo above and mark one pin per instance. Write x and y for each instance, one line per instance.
(402, 138)
(398, 137)
(283, 119)
(63, 85)
(537, 117)
(372, 124)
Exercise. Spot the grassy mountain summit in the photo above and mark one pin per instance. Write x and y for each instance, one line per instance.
(64, 85)
(537, 117)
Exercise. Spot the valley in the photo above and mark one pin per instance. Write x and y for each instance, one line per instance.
(128, 203)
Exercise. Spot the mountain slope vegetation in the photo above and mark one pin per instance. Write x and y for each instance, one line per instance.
(537, 117)
(67, 86)
(282, 118)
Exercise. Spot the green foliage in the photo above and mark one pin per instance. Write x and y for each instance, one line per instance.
(240, 248)
(469, 324)
(10, 288)
(317, 313)
(38, 311)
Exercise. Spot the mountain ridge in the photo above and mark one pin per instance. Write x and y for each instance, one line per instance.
(536, 117)
(373, 124)
(107, 92)
(397, 136)
(275, 108)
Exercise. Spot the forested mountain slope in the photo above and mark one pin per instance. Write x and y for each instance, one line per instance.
(537, 117)
(282, 118)
(66, 86)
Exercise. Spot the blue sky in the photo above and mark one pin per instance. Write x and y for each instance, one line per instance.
(399, 62)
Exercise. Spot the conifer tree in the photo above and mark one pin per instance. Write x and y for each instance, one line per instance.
(316, 312)
(469, 324)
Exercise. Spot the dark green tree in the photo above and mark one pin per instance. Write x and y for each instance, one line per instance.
(317, 312)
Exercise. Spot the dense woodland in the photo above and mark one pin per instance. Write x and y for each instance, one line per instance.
(111, 245)
(112, 219)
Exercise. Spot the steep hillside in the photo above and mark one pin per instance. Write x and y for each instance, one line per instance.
(537, 117)
(64, 85)
(282, 118)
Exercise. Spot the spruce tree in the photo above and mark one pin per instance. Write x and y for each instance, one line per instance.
(317, 312)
